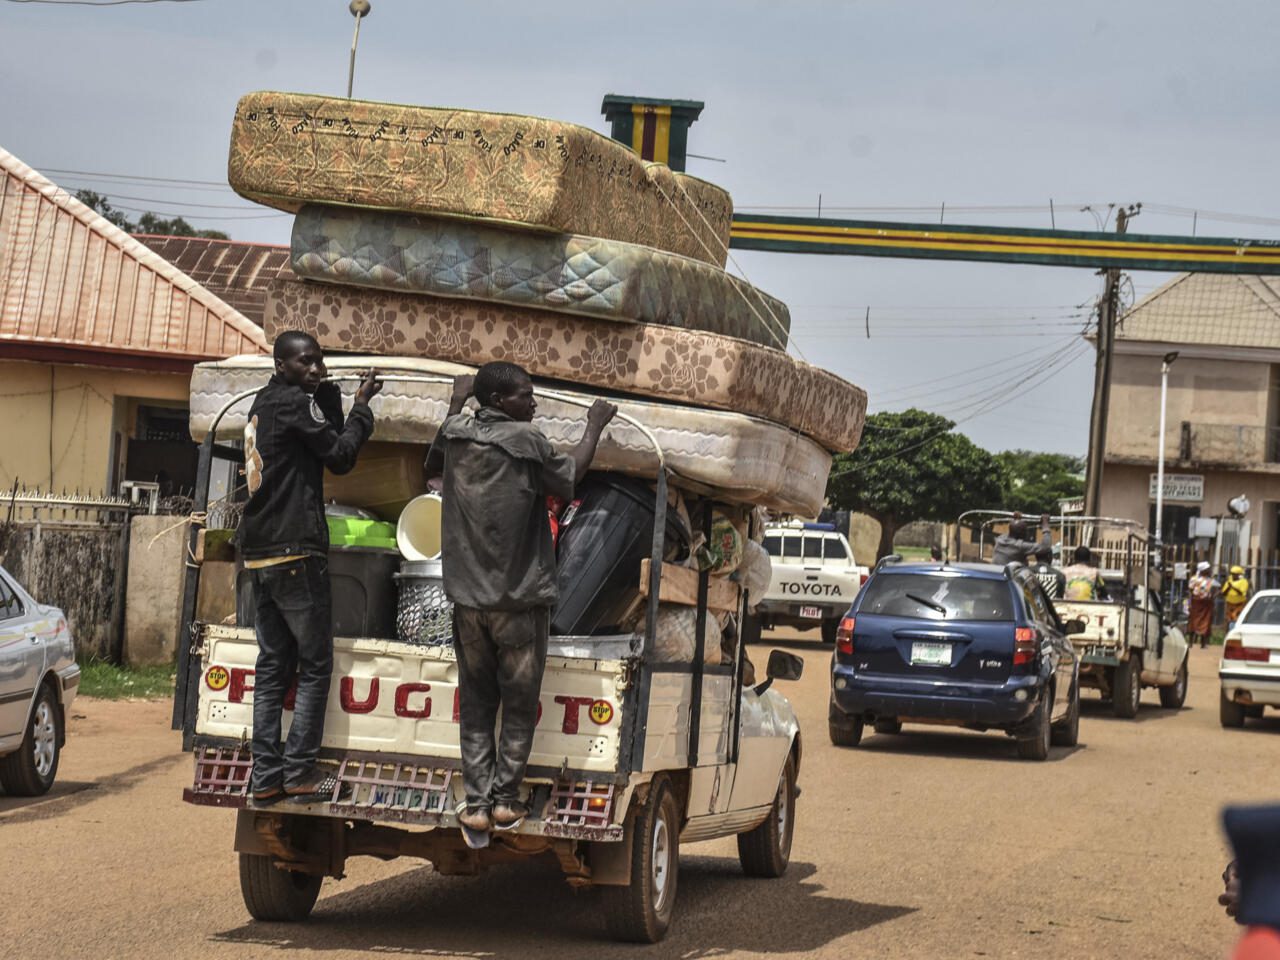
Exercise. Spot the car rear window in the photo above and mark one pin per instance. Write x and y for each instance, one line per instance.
(833, 549)
(932, 597)
(1265, 610)
(773, 545)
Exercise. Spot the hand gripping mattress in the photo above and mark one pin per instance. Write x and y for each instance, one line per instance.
(555, 271)
(288, 149)
(740, 458)
(666, 363)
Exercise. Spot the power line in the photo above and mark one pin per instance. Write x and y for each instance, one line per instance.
(97, 3)
(97, 175)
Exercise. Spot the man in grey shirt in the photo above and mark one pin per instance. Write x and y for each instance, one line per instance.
(500, 572)
(1015, 547)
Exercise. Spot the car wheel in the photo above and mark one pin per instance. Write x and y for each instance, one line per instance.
(766, 850)
(29, 772)
(1230, 713)
(274, 895)
(641, 911)
(1127, 694)
(889, 726)
(845, 731)
(1172, 697)
(1067, 732)
(829, 628)
(1034, 745)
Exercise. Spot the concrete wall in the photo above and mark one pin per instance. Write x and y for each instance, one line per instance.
(1228, 392)
(157, 546)
(60, 420)
(1126, 494)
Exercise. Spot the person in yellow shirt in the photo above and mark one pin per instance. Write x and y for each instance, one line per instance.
(1235, 593)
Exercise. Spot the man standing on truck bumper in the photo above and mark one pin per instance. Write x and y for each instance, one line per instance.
(500, 572)
(295, 430)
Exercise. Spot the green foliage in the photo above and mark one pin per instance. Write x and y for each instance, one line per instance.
(111, 682)
(1035, 482)
(147, 223)
(910, 467)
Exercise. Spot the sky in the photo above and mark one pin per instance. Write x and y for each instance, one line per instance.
(870, 105)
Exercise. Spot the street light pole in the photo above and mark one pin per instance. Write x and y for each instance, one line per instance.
(1165, 364)
(359, 9)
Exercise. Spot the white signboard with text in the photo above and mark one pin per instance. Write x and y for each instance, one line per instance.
(1184, 487)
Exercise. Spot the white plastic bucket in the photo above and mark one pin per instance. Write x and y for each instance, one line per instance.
(418, 529)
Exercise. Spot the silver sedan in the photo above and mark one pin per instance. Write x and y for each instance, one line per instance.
(38, 681)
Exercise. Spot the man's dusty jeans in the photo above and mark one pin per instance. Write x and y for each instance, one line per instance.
(295, 633)
(501, 657)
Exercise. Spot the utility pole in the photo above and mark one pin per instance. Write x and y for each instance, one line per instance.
(1108, 308)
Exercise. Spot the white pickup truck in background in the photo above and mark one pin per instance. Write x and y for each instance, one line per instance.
(815, 578)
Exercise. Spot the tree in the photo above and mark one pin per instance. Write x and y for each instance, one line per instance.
(1035, 482)
(910, 467)
(147, 223)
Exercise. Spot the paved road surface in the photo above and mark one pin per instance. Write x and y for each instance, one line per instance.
(932, 844)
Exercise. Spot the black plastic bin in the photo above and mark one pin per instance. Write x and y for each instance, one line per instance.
(362, 582)
(601, 546)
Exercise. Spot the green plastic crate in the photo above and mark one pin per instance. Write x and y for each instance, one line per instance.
(352, 532)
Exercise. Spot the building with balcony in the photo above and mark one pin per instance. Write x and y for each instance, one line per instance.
(1222, 434)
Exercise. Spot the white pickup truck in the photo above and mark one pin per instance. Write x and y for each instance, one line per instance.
(631, 758)
(815, 578)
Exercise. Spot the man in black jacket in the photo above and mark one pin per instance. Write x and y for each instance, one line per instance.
(295, 430)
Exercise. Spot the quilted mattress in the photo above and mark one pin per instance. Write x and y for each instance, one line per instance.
(291, 148)
(555, 271)
(739, 458)
(666, 363)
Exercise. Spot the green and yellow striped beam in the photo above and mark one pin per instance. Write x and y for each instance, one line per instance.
(1056, 248)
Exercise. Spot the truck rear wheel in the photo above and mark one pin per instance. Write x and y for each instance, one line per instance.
(766, 850)
(1128, 688)
(272, 894)
(829, 627)
(1172, 697)
(641, 911)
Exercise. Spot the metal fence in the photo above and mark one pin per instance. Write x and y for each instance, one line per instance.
(72, 551)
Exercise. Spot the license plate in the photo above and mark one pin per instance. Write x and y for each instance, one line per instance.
(813, 613)
(931, 654)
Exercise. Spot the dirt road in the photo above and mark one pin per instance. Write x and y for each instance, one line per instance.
(931, 844)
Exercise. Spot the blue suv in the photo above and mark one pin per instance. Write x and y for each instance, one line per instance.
(966, 644)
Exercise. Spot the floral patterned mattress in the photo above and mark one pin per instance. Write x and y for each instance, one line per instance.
(665, 363)
(288, 149)
(588, 276)
(740, 458)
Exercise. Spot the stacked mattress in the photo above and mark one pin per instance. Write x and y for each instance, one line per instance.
(739, 457)
(429, 241)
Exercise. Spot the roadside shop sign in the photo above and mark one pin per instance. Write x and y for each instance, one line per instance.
(1182, 487)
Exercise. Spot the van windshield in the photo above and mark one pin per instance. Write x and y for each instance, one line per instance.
(930, 597)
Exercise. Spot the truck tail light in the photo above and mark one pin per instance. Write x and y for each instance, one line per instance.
(844, 636)
(1236, 650)
(1026, 641)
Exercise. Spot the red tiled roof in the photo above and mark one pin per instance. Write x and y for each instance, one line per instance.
(235, 271)
(73, 284)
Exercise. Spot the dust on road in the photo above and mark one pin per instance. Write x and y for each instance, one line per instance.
(931, 844)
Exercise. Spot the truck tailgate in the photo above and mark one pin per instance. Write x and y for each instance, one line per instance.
(400, 700)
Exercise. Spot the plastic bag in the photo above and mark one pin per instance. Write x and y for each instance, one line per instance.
(676, 635)
(755, 572)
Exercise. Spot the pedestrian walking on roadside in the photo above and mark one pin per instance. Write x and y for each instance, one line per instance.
(295, 430)
(1235, 594)
(500, 573)
(1202, 589)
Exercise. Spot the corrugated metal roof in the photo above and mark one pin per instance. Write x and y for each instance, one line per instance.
(71, 280)
(1218, 309)
(235, 271)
